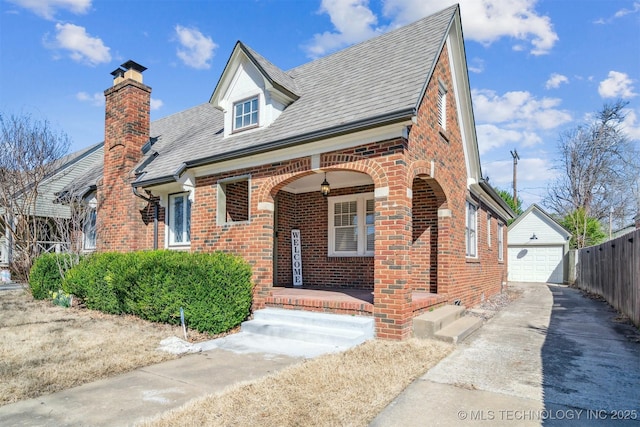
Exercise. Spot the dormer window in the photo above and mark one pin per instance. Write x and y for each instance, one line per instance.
(245, 114)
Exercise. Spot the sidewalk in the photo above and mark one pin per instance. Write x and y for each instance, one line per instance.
(552, 357)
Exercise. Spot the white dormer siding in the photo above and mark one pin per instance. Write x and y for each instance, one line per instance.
(248, 83)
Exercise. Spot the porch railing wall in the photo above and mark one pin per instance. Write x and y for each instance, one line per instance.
(612, 270)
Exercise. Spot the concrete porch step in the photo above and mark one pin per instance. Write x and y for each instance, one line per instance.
(446, 323)
(459, 330)
(427, 324)
(321, 328)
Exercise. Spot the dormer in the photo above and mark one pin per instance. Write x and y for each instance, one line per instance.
(252, 92)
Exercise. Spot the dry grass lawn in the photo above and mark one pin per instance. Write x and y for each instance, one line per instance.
(45, 348)
(346, 389)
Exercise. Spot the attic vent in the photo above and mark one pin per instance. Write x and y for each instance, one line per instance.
(442, 105)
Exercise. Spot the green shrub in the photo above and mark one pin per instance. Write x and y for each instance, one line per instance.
(45, 276)
(214, 289)
(92, 282)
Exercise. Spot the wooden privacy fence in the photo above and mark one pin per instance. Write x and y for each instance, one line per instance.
(612, 270)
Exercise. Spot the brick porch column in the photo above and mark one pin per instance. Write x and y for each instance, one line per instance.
(262, 250)
(392, 293)
(444, 251)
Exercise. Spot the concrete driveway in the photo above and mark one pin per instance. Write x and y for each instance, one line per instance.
(553, 357)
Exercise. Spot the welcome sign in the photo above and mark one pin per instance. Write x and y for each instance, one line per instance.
(296, 257)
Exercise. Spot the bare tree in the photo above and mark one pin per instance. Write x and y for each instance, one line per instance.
(30, 151)
(598, 169)
(79, 229)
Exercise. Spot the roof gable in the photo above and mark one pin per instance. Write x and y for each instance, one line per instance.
(276, 81)
(535, 221)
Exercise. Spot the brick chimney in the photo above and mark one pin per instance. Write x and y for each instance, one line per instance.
(120, 226)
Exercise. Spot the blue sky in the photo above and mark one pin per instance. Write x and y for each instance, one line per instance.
(536, 68)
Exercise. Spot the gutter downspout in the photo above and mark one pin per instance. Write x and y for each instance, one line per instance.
(155, 214)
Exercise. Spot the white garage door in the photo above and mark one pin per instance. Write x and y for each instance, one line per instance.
(535, 264)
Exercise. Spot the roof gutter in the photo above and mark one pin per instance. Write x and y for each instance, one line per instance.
(364, 124)
(496, 197)
(395, 117)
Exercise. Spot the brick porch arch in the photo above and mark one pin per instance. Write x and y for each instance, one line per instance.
(431, 224)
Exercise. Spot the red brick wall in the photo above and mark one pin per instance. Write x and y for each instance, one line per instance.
(237, 200)
(121, 215)
(460, 278)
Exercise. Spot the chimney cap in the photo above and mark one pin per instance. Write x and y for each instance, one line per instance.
(132, 65)
(118, 72)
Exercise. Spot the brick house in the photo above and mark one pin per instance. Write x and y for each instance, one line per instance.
(404, 222)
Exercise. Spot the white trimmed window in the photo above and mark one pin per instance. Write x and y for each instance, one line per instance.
(442, 106)
(245, 114)
(489, 229)
(351, 225)
(179, 219)
(470, 231)
(500, 242)
(89, 231)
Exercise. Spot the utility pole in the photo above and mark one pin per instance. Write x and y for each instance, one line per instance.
(516, 157)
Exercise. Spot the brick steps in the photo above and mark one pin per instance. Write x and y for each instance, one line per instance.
(446, 323)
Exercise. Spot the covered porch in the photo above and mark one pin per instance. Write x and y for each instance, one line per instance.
(342, 282)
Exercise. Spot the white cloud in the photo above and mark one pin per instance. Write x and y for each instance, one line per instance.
(555, 80)
(156, 104)
(196, 49)
(81, 46)
(619, 14)
(631, 124)
(353, 22)
(48, 8)
(518, 110)
(486, 21)
(476, 65)
(616, 85)
(491, 137)
(96, 99)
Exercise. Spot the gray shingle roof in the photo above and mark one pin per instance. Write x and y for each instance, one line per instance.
(274, 73)
(380, 79)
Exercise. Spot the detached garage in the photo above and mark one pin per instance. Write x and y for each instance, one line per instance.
(537, 247)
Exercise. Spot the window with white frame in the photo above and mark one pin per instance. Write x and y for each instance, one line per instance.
(351, 225)
(179, 219)
(442, 105)
(89, 231)
(500, 242)
(489, 229)
(471, 238)
(245, 114)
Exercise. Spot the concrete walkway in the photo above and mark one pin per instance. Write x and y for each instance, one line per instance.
(553, 357)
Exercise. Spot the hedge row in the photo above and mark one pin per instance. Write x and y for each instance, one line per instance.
(214, 289)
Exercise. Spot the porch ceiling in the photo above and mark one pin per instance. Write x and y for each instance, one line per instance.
(337, 179)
